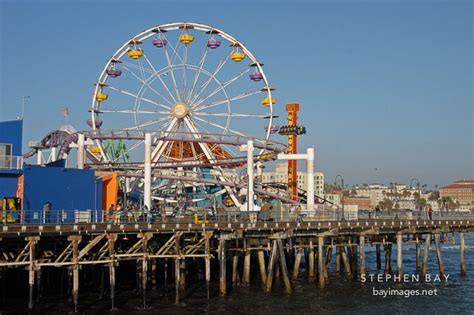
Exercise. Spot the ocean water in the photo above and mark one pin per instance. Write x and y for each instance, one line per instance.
(341, 295)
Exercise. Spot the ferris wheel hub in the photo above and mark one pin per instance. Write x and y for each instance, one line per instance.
(180, 110)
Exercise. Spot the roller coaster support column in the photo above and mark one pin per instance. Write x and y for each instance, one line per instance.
(147, 183)
(310, 178)
(250, 193)
(39, 157)
(309, 157)
(80, 151)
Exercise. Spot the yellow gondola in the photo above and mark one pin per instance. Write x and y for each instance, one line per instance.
(237, 56)
(101, 97)
(95, 150)
(186, 38)
(135, 53)
(266, 101)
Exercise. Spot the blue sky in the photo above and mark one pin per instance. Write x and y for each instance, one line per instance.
(383, 85)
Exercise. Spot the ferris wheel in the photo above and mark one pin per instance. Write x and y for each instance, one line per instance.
(183, 78)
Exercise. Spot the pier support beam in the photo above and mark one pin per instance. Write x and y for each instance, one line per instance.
(246, 276)
(75, 239)
(111, 240)
(438, 254)
(177, 275)
(222, 268)
(146, 237)
(388, 258)
(425, 254)
(271, 265)
(263, 269)
(311, 262)
(283, 266)
(235, 270)
(399, 255)
(32, 240)
(338, 257)
(296, 267)
(207, 249)
(418, 259)
(320, 261)
(462, 246)
(378, 258)
(345, 261)
(362, 255)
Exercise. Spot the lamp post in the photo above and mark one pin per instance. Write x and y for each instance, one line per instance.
(342, 193)
(412, 181)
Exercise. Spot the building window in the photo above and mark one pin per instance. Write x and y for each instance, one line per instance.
(5, 155)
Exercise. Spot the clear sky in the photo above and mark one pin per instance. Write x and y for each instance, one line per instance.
(386, 87)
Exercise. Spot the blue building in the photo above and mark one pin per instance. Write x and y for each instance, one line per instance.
(25, 189)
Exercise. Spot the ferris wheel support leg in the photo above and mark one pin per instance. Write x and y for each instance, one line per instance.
(147, 184)
(80, 151)
(250, 193)
(310, 176)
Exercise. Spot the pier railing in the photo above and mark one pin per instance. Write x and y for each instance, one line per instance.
(221, 215)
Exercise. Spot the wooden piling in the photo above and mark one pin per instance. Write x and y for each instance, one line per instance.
(345, 261)
(462, 246)
(311, 262)
(246, 276)
(283, 266)
(153, 274)
(399, 255)
(235, 270)
(320, 261)
(75, 269)
(426, 253)
(438, 254)
(32, 240)
(388, 258)
(328, 261)
(418, 259)
(111, 242)
(271, 265)
(378, 258)
(222, 268)
(362, 256)
(177, 275)
(296, 266)
(338, 258)
(207, 249)
(261, 262)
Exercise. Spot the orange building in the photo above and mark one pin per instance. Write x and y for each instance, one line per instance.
(361, 202)
(461, 190)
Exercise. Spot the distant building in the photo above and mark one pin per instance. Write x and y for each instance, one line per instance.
(461, 191)
(334, 199)
(361, 202)
(280, 175)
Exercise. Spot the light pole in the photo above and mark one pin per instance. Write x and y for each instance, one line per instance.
(342, 193)
(412, 181)
(23, 100)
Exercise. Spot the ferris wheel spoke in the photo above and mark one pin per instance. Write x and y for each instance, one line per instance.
(220, 102)
(148, 123)
(230, 114)
(160, 78)
(221, 87)
(183, 79)
(134, 66)
(173, 79)
(147, 83)
(199, 126)
(198, 72)
(138, 97)
(222, 127)
(160, 144)
(210, 78)
(133, 111)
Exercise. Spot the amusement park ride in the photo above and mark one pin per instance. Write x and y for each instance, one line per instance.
(182, 104)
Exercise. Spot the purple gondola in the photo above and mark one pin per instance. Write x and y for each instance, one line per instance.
(273, 128)
(256, 76)
(98, 123)
(213, 43)
(159, 42)
(113, 72)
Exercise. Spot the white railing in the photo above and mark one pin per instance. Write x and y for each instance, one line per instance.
(11, 162)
